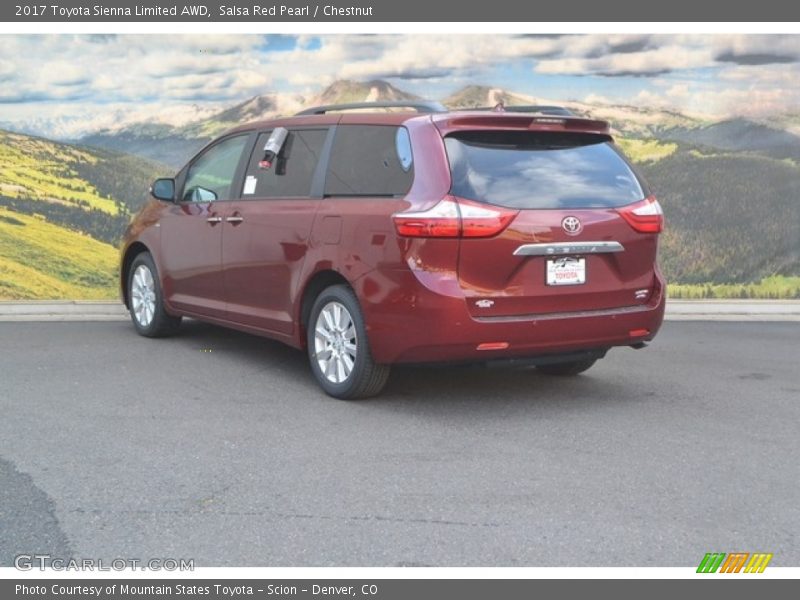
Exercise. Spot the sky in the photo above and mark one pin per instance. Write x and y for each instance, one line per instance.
(82, 82)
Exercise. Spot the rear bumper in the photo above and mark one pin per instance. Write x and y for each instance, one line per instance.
(409, 322)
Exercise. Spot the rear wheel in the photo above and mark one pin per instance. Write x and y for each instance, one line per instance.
(567, 369)
(338, 349)
(146, 301)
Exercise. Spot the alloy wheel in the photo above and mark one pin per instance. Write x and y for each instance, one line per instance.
(335, 342)
(143, 295)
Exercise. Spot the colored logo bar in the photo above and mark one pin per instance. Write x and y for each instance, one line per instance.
(735, 562)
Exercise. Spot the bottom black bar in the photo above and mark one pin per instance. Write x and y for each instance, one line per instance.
(393, 589)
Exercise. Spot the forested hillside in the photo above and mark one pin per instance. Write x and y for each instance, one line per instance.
(730, 217)
(62, 211)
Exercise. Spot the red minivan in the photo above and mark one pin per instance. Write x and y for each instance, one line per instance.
(413, 236)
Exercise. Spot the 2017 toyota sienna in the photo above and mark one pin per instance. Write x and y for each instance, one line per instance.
(414, 236)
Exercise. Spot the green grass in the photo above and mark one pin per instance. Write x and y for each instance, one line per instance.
(36, 168)
(42, 261)
(776, 287)
(646, 151)
(211, 129)
(704, 154)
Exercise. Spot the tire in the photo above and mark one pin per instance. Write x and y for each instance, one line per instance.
(146, 301)
(338, 349)
(567, 369)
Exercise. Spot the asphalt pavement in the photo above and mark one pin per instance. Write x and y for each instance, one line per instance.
(218, 446)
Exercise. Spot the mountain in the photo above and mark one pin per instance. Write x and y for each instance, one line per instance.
(730, 217)
(110, 119)
(635, 121)
(73, 175)
(159, 143)
(628, 120)
(63, 208)
(86, 190)
(257, 108)
(482, 96)
(175, 145)
(787, 121)
(740, 135)
(345, 91)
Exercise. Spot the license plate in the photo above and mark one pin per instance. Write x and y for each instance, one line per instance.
(566, 271)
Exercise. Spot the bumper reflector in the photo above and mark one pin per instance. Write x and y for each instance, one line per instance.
(493, 346)
(639, 332)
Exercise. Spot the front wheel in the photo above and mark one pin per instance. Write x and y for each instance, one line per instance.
(567, 369)
(146, 301)
(338, 349)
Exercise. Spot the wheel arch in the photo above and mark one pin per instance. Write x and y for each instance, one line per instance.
(131, 252)
(318, 282)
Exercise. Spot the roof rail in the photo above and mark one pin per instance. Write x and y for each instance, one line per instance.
(533, 108)
(421, 106)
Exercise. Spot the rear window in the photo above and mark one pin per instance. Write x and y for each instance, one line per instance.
(521, 169)
(370, 160)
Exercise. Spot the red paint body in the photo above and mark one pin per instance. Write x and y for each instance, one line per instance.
(418, 294)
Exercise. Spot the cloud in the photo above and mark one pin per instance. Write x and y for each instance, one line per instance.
(597, 99)
(646, 63)
(762, 75)
(406, 57)
(652, 55)
(632, 45)
(81, 73)
(780, 47)
(755, 58)
(678, 90)
(411, 74)
(131, 68)
(62, 72)
(712, 101)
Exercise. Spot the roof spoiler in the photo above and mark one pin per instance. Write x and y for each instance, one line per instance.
(421, 106)
(531, 108)
(511, 121)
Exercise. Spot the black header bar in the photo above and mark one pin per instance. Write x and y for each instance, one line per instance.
(374, 11)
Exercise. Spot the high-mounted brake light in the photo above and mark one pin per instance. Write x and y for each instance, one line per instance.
(455, 217)
(645, 216)
(549, 120)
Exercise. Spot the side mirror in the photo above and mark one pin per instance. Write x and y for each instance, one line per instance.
(163, 189)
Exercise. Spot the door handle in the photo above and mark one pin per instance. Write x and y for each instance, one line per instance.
(235, 219)
(214, 220)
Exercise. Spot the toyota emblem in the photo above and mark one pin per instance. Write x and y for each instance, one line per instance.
(571, 225)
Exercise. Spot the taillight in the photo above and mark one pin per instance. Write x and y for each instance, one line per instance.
(483, 220)
(455, 217)
(645, 216)
(440, 221)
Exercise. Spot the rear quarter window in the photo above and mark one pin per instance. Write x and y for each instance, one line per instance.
(541, 170)
(370, 160)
